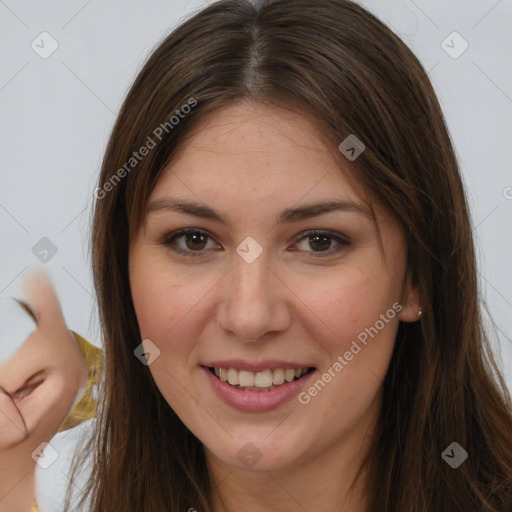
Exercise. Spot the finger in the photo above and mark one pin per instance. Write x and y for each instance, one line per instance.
(42, 299)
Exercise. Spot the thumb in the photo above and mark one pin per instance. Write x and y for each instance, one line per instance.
(42, 299)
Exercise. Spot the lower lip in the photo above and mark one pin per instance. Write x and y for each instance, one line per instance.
(256, 401)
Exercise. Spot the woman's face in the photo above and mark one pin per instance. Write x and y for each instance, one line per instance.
(252, 292)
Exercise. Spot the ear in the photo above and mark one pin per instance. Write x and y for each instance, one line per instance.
(411, 306)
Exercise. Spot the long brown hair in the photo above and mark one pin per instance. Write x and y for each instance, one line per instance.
(334, 61)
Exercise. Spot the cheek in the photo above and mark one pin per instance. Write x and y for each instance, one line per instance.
(355, 324)
(348, 304)
(163, 307)
(169, 306)
(153, 293)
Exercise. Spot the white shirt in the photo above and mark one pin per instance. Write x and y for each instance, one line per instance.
(53, 469)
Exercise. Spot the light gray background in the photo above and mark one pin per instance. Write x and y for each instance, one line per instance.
(57, 113)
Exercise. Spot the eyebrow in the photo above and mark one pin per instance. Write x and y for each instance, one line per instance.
(306, 211)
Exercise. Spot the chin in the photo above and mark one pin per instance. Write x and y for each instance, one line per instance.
(258, 454)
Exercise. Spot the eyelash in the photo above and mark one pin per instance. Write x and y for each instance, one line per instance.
(170, 239)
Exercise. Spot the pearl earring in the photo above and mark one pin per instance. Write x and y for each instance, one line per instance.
(420, 312)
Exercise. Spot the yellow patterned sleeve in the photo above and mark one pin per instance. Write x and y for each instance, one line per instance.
(86, 408)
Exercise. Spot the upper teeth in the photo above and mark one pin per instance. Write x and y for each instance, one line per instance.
(263, 379)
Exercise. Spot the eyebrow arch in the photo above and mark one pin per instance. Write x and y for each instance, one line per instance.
(306, 211)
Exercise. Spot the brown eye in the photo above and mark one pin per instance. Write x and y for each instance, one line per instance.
(189, 242)
(195, 241)
(319, 242)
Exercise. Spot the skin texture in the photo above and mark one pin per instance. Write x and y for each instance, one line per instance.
(43, 378)
(249, 162)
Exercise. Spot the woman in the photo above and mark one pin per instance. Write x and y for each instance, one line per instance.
(285, 270)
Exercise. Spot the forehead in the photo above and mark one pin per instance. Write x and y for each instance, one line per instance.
(16, 326)
(247, 122)
(259, 150)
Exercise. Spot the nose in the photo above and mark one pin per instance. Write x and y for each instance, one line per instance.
(254, 302)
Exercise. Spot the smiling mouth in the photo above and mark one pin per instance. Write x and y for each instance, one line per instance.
(265, 380)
